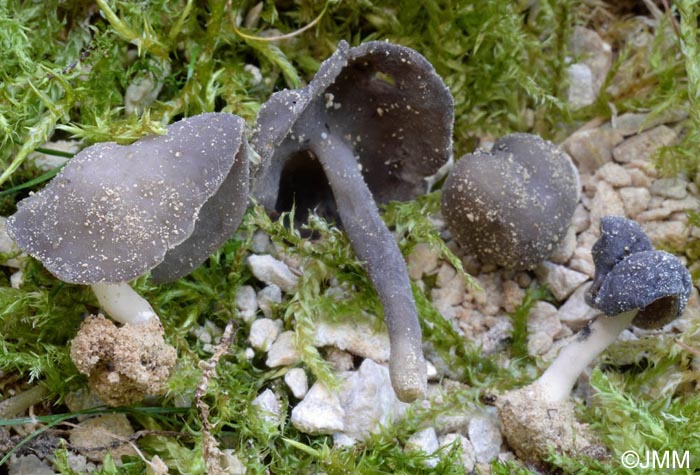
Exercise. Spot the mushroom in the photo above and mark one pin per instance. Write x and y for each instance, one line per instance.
(512, 205)
(115, 212)
(634, 284)
(372, 124)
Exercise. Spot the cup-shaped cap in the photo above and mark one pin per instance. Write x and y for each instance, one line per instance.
(383, 100)
(512, 205)
(115, 211)
(631, 275)
(654, 282)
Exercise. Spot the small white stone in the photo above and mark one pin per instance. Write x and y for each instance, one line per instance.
(358, 337)
(17, 279)
(489, 300)
(431, 371)
(263, 332)
(467, 449)
(297, 381)
(581, 86)
(319, 412)
(485, 436)
(269, 407)
(513, 296)
(249, 353)
(268, 298)
(560, 280)
(283, 351)
(580, 221)
(644, 146)
(425, 441)
(606, 202)
(565, 247)
(368, 400)
(246, 302)
(575, 312)
(421, 261)
(635, 200)
(543, 319)
(667, 233)
(591, 148)
(260, 242)
(614, 174)
(45, 162)
(674, 188)
(272, 271)
(7, 245)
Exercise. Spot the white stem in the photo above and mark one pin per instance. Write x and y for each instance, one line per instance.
(123, 304)
(559, 379)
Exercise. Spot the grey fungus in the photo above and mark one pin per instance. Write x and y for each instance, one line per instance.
(117, 211)
(630, 275)
(634, 285)
(375, 121)
(512, 205)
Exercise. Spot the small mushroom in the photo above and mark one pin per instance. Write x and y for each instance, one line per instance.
(115, 212)
(375, 121)
(512, 205)
(634, 284)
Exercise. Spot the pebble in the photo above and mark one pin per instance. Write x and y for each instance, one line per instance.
(606, 202)
(7, 245)
(644, 146)
(674, 188)
(565, 247)
(263, 332)
(320, 412)
(485, 435)
(297, 382)
(269, 407)
(581, 86)
(425, 441)
(101, 431)
(594, 53)
(614, 174)
(631, 123)
(283, 351)
(268, 298)
(272, 271)
(358, 337)
(368, 400)
(560, 280)
(575, 312)
(260, 242)
(667, 233)
(513, 295)
(468, 457)
(246, 302)
(421, 261)
(28, 465)
(580, 221)
(591, 148)
(45, 162)
(635, 200)
(490, 299)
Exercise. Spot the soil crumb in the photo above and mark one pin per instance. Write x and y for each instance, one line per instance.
(123, 364)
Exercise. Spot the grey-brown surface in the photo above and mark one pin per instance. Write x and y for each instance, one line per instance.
(511, 206)
(373, 123)
(114, 211)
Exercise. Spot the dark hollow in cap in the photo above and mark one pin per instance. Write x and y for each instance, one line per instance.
(512, 205)
(384, 100)
(115, 212)
(631, 275)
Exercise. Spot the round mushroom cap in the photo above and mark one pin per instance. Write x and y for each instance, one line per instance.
(385, 101)
(114, 211)
(512, 205)
(655, 282)
(619, 238)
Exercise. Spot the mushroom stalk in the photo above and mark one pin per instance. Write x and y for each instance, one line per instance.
(123, 303)
(375, 246)
(559, 379)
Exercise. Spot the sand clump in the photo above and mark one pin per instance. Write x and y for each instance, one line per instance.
(123, 364)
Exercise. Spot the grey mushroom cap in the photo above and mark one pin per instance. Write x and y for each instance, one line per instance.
(386, 102)
(512, 205)
(115, 211)
(619, 238)
(655, 282)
